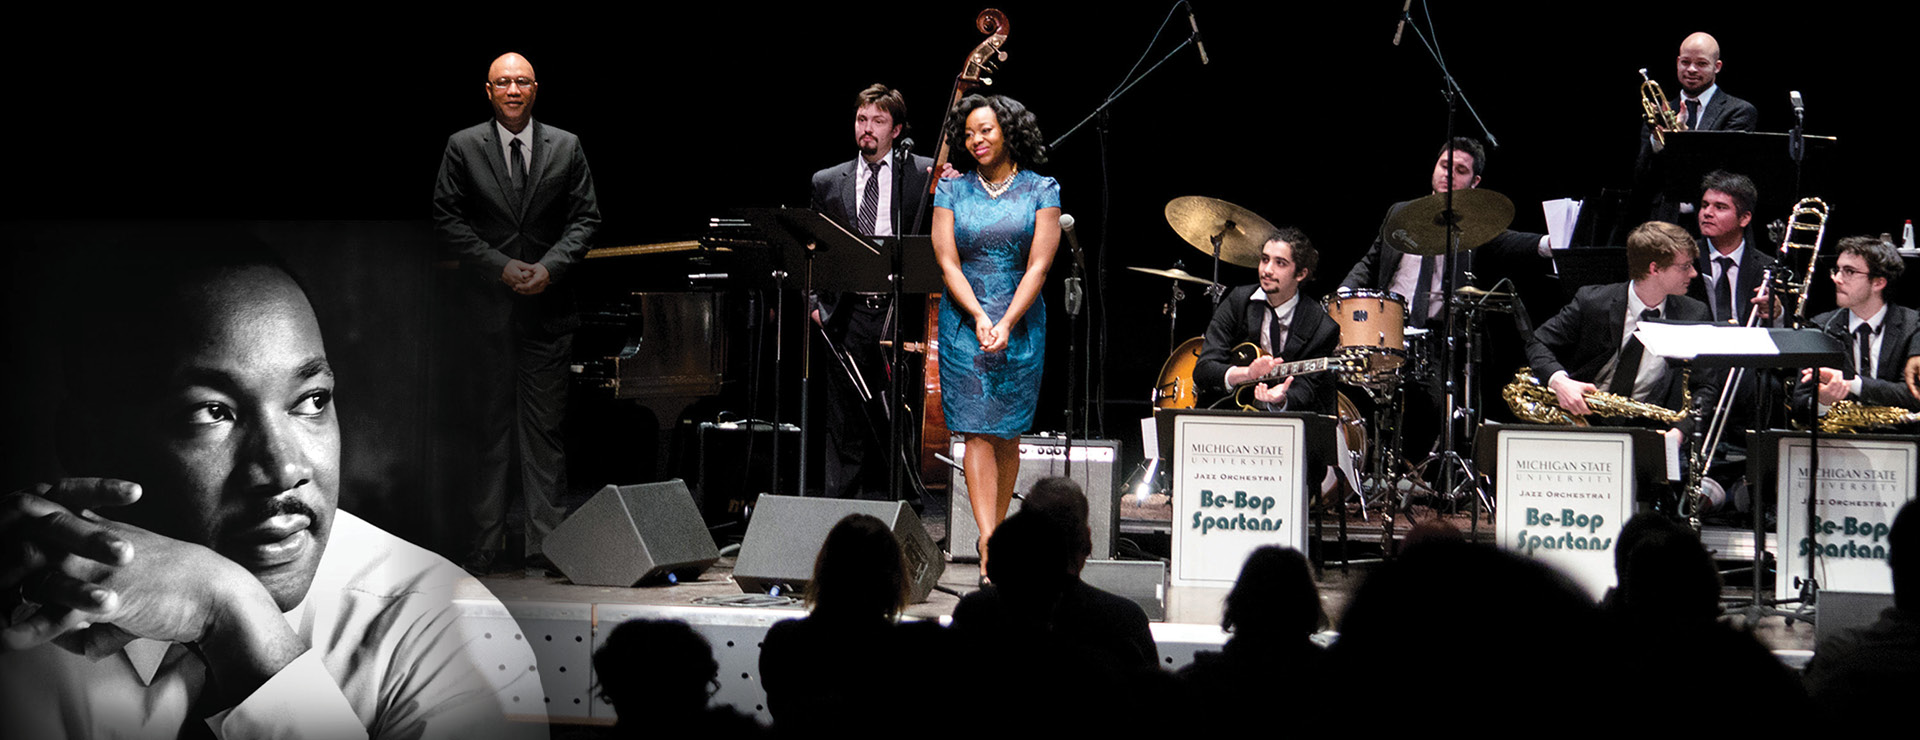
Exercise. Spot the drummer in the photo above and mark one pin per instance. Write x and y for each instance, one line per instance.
(1417, 278)
(1272, 316)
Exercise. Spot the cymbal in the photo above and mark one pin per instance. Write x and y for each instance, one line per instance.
(1175, 273)
(1198, 219)
(1479, 216)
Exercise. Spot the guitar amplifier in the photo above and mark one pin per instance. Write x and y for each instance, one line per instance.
(1043, 457)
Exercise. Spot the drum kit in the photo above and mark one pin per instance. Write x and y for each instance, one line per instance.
(1381, 352)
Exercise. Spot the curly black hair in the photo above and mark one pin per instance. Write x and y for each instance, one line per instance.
(1018, 130)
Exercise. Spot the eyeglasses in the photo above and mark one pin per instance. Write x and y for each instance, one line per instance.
(504, 83)
(1848, 273)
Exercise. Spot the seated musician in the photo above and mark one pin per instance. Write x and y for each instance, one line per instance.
(1273, 316)
(1589, 346)
(1879, 335)
(1384, 268)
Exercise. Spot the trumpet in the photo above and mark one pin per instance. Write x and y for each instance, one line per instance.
(1654, 108)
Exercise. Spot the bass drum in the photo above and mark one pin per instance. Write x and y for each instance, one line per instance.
(1351, 454)
(1176, 390)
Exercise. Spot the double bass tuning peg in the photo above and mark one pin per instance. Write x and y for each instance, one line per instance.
(1002, 55)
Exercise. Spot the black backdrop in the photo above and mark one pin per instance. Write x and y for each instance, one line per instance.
(1306, 115)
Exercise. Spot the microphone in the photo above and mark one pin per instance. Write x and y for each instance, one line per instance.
(1402, 25)
(1066, 227)
(1198, 42)
(1799, 106)
(903, 145)
(1073, 290)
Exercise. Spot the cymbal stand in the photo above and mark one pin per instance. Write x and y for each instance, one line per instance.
(1448, 456)
(1216, 291)
(1172, 309)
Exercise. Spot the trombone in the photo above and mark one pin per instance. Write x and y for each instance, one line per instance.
(1809, 215)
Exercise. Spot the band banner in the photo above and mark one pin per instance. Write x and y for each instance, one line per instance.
(1862, 483)
(1562, 497)
(1237, 485)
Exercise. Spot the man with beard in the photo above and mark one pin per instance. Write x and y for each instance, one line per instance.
(1273, 316)
(193, 574)
(865, 195)
(1702, 105)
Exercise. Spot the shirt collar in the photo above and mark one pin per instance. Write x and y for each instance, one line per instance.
(1705, 97)
(1876, 321)
(1282, 310)
(1736, 255)
(525, 135)
(1635, 306)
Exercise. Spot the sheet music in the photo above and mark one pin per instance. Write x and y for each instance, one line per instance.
(1687, 341)
(1561, 215)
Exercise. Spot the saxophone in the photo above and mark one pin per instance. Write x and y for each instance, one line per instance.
(1535, 402)
(1847, 417)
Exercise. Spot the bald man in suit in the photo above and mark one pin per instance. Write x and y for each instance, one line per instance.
(515, 202)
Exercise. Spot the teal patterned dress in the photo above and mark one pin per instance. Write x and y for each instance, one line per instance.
(993, 393)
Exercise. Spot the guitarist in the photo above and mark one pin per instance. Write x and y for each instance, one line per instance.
(1273, 316)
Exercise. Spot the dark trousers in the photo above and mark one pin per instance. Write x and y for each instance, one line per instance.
(856, 454)
(520, 381)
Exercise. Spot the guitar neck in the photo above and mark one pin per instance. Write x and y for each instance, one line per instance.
(1286, 370)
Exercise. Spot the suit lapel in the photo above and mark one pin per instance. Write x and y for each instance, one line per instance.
(497, 162)
(849, 176)
(1300, 331)
(1892, 331)
(1616, 318)
(536, 167)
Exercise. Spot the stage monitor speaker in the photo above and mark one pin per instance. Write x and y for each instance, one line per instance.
(626, 535)
(1040, 457)
(786, 532)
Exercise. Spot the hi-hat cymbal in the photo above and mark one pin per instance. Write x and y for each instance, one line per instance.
(1175, 273)
(1479, 216)
(1198, 219)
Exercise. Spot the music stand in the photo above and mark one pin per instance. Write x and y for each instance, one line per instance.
(806, 239)
(1718, 346)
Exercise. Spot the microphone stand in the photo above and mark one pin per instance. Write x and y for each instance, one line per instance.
(1100, 112)
(1073, 296)
(1452, 462)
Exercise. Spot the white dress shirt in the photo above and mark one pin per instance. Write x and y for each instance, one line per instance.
(389, 658)
(506, 145)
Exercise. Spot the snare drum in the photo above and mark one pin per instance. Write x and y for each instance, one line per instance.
(1372, 325)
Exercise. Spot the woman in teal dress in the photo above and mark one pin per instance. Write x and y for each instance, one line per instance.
(995, 230)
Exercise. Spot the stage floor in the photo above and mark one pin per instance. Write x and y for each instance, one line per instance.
(564, 622)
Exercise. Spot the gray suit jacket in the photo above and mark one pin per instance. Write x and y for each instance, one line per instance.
(551, 223)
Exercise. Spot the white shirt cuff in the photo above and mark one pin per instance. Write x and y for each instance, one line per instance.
(301, 701)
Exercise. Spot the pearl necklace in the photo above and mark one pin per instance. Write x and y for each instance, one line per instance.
(995, 190)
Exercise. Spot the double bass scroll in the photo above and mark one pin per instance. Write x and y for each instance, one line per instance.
(979, 62)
